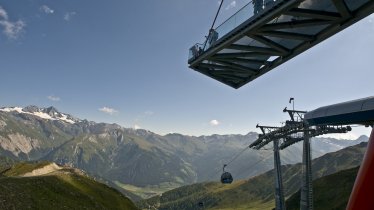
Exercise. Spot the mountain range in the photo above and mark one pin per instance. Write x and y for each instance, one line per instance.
(258, 192)
(135, 160)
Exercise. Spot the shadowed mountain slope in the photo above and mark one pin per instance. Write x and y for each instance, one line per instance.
(330, 192)
(138, 161)
(256, 192)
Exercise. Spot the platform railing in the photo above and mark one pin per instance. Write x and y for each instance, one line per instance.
(251, 9)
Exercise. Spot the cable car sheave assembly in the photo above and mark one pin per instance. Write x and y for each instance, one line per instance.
(293, 131)
(266, 33)
(302, 126)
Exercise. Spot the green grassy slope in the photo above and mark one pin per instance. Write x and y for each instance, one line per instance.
(66, 188)
(257, 192)
(5, 163)
(24, 167)
(330, 192)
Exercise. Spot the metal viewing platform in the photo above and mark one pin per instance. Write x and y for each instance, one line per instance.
(258, 38)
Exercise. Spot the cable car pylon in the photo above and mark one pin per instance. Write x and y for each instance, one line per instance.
(279, 191)
(294, 130)
(306, 196)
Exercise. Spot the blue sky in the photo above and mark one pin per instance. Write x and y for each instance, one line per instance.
(125, 62)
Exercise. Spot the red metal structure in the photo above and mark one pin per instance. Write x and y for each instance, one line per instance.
(360, 111)
(362, 196)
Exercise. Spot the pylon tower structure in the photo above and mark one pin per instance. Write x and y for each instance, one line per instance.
(306, 197)
(293, 131)
(279, 191)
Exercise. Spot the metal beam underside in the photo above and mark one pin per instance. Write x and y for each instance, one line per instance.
(275, 36)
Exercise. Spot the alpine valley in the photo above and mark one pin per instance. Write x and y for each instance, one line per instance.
(139, 163)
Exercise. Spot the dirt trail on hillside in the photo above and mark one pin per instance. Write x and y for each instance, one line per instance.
(42, 171)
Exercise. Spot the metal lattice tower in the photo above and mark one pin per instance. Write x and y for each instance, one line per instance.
(294, 130)
(306, 197)
(278, 184)
(279, 190)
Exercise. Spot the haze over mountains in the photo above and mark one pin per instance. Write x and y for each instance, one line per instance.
(258, 192)
(135, 159)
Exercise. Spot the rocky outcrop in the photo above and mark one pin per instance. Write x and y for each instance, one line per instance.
(2, 124)
(17, 143)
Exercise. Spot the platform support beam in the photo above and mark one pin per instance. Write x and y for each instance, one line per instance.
(306, 197)
(279, 192)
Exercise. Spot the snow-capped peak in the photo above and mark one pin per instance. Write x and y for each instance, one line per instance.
(49, 113)
(12, 109)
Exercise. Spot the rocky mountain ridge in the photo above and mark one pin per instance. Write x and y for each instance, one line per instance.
(50, 113)
(258, 192)
(136, 158)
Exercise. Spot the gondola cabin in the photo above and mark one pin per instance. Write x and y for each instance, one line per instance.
(201, 204)
(226, 178)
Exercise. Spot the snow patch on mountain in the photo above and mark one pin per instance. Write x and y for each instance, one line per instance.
(12, 109)
(39, 113)
(65, 118)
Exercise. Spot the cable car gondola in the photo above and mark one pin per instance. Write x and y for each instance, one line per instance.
(226, 177)
(201, 204)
